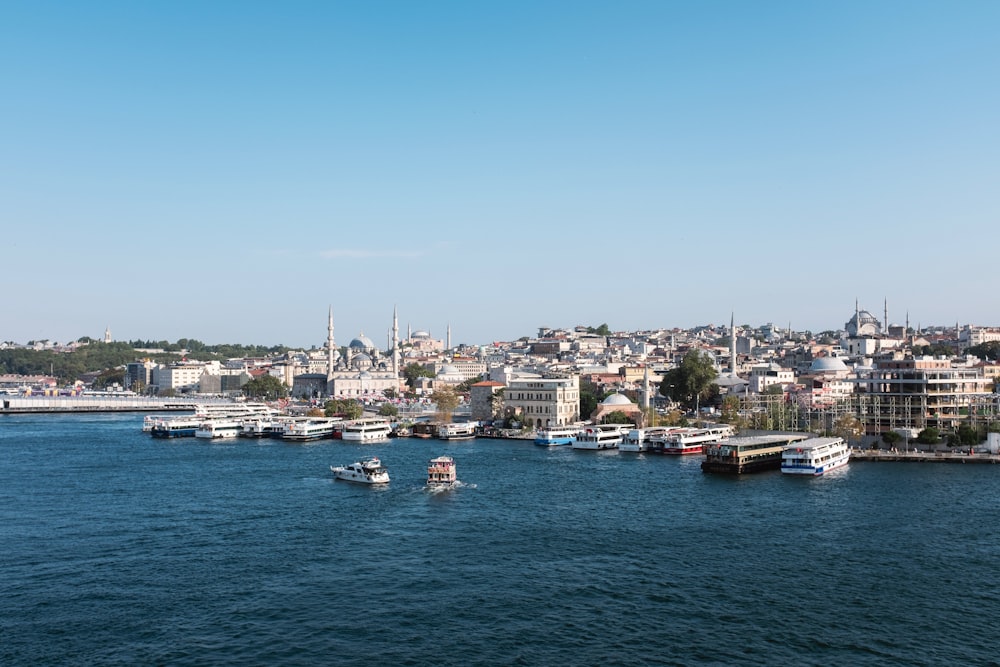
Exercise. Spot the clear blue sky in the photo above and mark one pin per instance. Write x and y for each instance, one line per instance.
(226, 170)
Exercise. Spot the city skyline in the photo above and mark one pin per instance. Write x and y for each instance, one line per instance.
(224, 172)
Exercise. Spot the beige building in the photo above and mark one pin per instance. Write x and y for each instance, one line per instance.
(544, 401)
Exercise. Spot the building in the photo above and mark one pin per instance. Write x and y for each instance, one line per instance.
(544, 402)
(481, 399)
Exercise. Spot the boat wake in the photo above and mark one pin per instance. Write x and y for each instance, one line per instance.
(444, 488)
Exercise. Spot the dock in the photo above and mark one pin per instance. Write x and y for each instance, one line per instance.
(921, 457)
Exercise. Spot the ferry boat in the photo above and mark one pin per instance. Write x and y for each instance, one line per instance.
(599, 436)
(642, 439)
(815, 456)
(441, 472)
(219, 428)
(368, 471)
(747, 454)
(366, 430)
(556, 435)
(456, 431)
(310, 428)
(693, 440)
(176, 427)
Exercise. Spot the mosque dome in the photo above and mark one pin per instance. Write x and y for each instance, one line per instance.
(361, 361)
(616, 399)
(362, 342)
(420, 334)
(828, 365)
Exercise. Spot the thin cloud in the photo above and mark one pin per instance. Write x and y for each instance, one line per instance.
(357, 253)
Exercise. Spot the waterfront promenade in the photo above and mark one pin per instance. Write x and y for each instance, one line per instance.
(913, 456)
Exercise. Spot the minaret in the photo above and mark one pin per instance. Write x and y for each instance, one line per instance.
(857, 318)
(395, 343)
(330, 346)
(107, 335)
(732, 344)
(645, 387)
(885, 317)
(448, 338)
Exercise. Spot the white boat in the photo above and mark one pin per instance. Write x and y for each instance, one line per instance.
(815, 456)
(441, 472)
(219, 428)
(309, 428)
(601, 436)
(641, 439)
(176, 427)
(693, 440)
(184, 426)
(456, 431)
(556, 435)
(366, 430)
(368, 471)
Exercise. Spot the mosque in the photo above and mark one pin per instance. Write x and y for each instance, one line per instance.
(364, 371)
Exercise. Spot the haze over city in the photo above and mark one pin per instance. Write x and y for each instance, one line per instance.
(227, 171)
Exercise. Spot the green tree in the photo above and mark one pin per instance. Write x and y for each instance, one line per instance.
(265, 387)
(446, 400)
(388, 410)
(108, 378)
(601, 330)
(929, 436)
(413, 371)
(616, 417)
(891, 438)
(691, 381)
(589, 398)
(848, 427)
(347, 408)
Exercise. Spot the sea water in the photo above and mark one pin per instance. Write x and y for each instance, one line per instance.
(120, 549)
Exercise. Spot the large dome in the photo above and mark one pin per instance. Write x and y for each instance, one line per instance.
(616, 399)
(828, 365)
(362, 342)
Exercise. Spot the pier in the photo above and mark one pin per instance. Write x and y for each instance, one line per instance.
(110, 403)
(922, 457)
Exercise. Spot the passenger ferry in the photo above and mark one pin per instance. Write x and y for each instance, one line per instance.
(747, 454)
(556, 435)
(456, 431)
(184, 426)
(693, 440)
(310, 428)
(369, 471)
(642, 439)
(441, 472)
(599, 436)
(176, 427)
(366, 430)
(815, 456)
(219, 428)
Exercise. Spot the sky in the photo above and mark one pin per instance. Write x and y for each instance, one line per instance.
(228, 171)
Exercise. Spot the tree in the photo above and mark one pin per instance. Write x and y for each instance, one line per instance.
(347, 408)
(690, 382)
(616, 417)
(602, 330)
(413, 371)
(891, 438)
(388, 410)
(108, 378)
(265, 387)
(848, 427)
(496, 402)
(446, 400)
(929, 436)
(589, 398)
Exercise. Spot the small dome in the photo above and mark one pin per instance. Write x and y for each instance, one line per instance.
(616, 399)
(827, 365)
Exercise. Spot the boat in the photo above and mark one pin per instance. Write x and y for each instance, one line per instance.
(366, 430)
(176, 427)
(642, 439)
(456, 431)
(441, 472)
(747, 454)
(184, 426)
(424, 430)
(601, 436)
(693, 440)
(219, 428)
(815, 456)
(309, 428)
(368, 471)
(556, 435)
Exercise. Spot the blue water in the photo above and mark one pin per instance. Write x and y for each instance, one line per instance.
(118, 549)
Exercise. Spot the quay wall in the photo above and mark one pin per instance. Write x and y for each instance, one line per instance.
(59, 404)
(879, 455)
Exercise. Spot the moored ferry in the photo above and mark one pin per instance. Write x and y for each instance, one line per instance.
(641, 439)
(366, 430)
(184, 426)
(693, 440)
(219, 428)
(456, 431)
(310, 428)
(556, 435)
(815, 456)
(599, 436)
(176, 427)
(747, 454)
